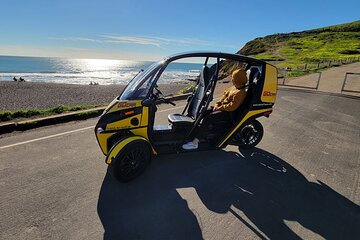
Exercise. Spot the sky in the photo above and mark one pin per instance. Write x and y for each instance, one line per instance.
(150, 30)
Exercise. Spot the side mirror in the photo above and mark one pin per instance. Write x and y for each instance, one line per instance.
(148, 102)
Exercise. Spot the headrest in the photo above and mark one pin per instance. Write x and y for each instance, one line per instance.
(205, 76)
(254, 73)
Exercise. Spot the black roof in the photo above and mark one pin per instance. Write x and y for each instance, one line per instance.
(237, 57)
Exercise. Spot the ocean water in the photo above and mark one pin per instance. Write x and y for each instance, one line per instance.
(84, 71)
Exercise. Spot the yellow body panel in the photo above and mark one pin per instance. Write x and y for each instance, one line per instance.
(122, 124)
(143, 132)
(145, 116)
(102, 139)
(139, 130)
(268, 94)
(119, 146)
(247, 116)
(113, 102)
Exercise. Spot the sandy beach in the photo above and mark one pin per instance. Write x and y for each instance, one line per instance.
(35, 95)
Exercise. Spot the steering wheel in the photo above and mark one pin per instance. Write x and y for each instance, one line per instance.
(158, 92)
(167, 101)
(160, 97)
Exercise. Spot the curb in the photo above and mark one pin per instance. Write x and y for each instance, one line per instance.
(7, 127)
(62, 118)
(50, 120)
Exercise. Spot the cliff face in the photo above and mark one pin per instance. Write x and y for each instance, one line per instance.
(292, 49)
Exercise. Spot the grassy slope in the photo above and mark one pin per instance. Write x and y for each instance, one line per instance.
(312, 46)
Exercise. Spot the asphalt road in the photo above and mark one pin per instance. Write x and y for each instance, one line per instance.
(302, 182)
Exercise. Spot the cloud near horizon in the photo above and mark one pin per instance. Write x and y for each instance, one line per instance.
(133, 40)
(75, 39)
(140, 40)
(155, 41)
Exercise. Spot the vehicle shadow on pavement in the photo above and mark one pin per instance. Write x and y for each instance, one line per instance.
(266, 189)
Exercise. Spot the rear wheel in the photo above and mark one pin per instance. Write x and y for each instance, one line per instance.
(131, 161)
(249, 135)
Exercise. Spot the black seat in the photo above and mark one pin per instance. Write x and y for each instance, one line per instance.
(195, 101)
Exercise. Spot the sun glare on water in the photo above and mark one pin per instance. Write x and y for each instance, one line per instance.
(103, 71)
(101, 64)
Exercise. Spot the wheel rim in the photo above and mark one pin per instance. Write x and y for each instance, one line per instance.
(131, 162)
(249, 135)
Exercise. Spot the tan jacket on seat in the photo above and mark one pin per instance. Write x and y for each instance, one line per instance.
(234, 96)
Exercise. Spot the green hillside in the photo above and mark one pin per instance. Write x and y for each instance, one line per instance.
(294, 49)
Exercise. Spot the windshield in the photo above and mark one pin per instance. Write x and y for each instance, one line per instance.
(138, 87)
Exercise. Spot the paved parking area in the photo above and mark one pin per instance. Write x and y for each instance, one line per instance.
(301, 182)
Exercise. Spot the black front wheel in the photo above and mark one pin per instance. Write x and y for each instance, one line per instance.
(249, 135)
(131, 161)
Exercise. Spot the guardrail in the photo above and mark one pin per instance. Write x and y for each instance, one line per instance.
(284, 72)
(344, 83)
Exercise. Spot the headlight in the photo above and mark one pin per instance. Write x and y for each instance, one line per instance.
(100, 130)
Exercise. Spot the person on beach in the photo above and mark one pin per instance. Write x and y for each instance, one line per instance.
(231, 100)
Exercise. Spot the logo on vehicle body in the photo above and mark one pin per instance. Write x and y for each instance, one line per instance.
(117, 128)
(126, 104)
(269, 94)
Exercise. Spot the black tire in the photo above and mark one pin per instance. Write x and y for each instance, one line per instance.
(131, 161)
(249, 135)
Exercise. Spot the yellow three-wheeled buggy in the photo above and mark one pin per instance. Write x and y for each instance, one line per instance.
(126, 132)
